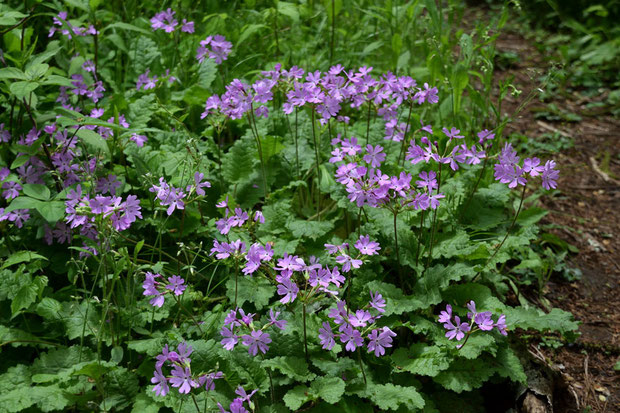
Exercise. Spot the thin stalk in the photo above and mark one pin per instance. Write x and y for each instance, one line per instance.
(434, 224)
(402, 146)
(259, 146)
(400, 274)
(195, 402)
(305, 333)
(359, 359)
(318, 170)
(473, 191)
(331, 44)
(368, 124)
(236, 280)
(417, 251)
(297, 144)
(512, 224)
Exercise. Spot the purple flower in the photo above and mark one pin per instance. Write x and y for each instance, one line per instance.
(138, 139)
(187, 27)
(184, 351)
(367, 247)
(377, 342)
(182, 378)
(12, 189)
(453, 133)
(255, 341)
(199, 184)
(348, 262)
(230, 339)
(483, 321)
(326, 336)
(501, 324)
(361, 318)
(208, 380)
(445, 316)
(485, 135)
(176, 285)
(377, 302)
(288, 289)
(550, 175)
(273, 317)
(351, 337)
(457, 329)
(161, 383)
(374, 156)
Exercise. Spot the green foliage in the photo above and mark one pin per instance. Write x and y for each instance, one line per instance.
(77, 331)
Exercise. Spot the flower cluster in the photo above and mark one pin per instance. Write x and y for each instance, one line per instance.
(242, 328)
(181, 376)
(358, 328)
(364, 246)
(67, 29)
(366, 184)
(80, 88)
(509, 171)
(477, 321)
(459, 154)
(158, 289)
(83, 209)
(147, 82)
(237, 404)
(168, 195)
(214, 47)
(164, 20)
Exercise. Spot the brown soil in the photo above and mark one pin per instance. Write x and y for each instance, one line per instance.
(586, 214)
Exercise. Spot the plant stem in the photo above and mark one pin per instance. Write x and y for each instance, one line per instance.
(434, 224)
(512, 224)
(359, 359)
(331, 45)
(195, 402)
(417, 251)
(398, 268)
(305, 333)
(259, 147)
(402, 146)
(473, 191)
(297, 145)
(318, 170)
(368, 124)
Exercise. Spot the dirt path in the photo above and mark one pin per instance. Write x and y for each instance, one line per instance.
(587, 215)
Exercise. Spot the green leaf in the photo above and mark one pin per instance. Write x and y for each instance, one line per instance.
(421, 359)
(238, 162)
(256, 290)
(126, 26)
(396, 301)
(310, 229)
(12, 73)
(38, 191)
(531, 216)
(22, 89)
(291, 366)
(207, 71)
(36, 71)
(94, 140)
(390, 396)
(296, 397)
(24, 298)
(329, 389)
(21, 256)
(465, 375)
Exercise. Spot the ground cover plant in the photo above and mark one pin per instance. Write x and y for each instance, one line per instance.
(257, 206)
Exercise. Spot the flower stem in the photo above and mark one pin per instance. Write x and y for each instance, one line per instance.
(368, 124)
(512, 224)
(398, 268)
(195, 402)
(305, 333)
(297, 145)
(359, 359)
(318, 170)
